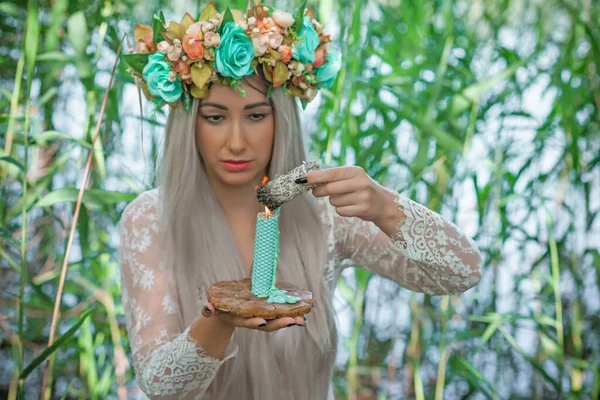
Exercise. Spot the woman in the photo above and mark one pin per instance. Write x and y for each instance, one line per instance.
(198, 228)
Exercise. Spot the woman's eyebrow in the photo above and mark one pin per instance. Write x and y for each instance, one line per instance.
(247, 107)
(254, 105)
(215, 105)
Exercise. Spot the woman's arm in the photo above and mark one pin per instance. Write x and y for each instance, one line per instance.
(391, 235)
(424, 252)
(170, 361)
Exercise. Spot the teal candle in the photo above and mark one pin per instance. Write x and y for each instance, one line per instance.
(266, 252)
(264, 263)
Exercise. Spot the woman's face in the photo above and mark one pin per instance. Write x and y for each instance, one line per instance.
(234, 135)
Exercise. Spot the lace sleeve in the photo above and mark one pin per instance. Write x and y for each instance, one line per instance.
(167, 361)
(427, 253)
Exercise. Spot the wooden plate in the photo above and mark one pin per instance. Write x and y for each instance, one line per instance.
(236, 298)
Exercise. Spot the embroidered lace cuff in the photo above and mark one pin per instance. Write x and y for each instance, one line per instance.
(404, 226)
(231, 351)
(180, 368)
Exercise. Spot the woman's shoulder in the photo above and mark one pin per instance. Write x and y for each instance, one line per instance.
(144, 207)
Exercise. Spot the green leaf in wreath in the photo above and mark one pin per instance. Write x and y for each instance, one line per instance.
(158, 28)
(227, 18)
(299, 17)
(136, 61)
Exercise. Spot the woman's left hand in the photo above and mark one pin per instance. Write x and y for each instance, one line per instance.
(351, 191)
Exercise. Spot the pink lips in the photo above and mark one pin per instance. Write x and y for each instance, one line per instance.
(236, 165)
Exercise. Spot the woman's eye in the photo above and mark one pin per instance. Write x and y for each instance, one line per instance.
(257, 117)
(213, 118)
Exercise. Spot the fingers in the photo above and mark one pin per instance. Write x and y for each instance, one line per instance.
(353, 210)
(336, 188)
(208, 310)
(282, 323)
(272, 325)
(332, 175)
(241, 322)
(279, 323)
(348, 199)
(251, 323)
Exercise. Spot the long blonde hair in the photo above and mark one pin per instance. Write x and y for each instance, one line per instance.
(200, 250)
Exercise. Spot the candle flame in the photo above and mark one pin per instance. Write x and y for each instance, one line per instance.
(267, 212)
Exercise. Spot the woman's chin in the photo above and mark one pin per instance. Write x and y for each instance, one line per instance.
(241, 178)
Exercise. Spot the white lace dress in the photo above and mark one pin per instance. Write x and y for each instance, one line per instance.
(427, 254)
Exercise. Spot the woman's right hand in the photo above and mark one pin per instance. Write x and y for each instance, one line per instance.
(209, 311)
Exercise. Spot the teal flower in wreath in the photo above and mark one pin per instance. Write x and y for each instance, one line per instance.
(327, 72)
(304, 49)
(233, 57)
(156, 73)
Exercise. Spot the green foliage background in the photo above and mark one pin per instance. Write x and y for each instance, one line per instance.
(486, 111)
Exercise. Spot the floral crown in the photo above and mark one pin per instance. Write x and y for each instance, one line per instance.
(180, 60)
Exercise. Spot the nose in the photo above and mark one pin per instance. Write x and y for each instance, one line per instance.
(236, 141)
